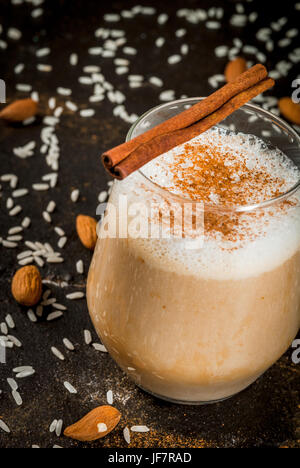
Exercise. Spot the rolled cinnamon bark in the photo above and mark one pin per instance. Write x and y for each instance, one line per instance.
(124, 159)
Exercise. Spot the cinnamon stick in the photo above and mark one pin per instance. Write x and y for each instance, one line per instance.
(163, 143)
(130, 156)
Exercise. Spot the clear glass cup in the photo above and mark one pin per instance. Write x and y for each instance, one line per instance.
(186, 333)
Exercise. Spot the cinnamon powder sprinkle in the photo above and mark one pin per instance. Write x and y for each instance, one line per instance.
(217, 176)
(224, 169)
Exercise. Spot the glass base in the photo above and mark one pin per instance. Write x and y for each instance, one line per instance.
(183, 402)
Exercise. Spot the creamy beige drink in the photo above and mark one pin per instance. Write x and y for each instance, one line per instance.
(198, 325)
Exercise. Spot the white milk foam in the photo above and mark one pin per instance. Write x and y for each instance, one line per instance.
(237, 148)
(269, 239)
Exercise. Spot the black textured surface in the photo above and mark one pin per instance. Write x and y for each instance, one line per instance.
(266, 414)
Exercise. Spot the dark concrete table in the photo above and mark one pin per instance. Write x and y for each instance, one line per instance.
(266, 414)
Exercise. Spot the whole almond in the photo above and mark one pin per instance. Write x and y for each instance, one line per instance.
(87, 231)
(26, 286)
(235, 68)
(96, 424)
(19, 110)
(290, 110)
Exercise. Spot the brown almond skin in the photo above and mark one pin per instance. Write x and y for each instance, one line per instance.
(26, 286)
(290, 110)
(235, 68)
(86, 429)
(19, 110)
(87, 231)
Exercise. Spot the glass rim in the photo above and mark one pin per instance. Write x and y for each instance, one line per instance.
(211, 207)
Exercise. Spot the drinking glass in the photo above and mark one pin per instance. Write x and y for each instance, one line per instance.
(186, 323)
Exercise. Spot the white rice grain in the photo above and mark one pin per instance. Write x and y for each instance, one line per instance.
(64, 91)
(109, 397)
(37, 12)
(43, 67)
(47, 217)
(15, 230)
(87, 113)
(155, 81)
(68, 344)
(55, 259)
(59, 231)
(14, 238)
(95, 50)
(221, 51)
(140, 429)
(87, 337)
(75, 295)
(122, 70)
(15, 341)
(30, 120)
(51, 206)
(73, 59)
(75, 195)
(58, 427)
(54, 315)
(14, 33)
(26, 222)
(173, 59)
(59, 306)
(58, 111)
(31, 315)
(16, 370)
(17, 397)
(52, 103)
(57, 353)
(99, 347)
(26, 261)
(43, 52)
(71, 106)
(10, 321)
(3, 328)
(168, 95)
(12, 383)
(40, 187)
(70, 388)
(19, 68)
(9, 245)
(47, 302)
(111, 17)
(213, 25)
(24, 374)
(80, 267)
(62, 242)
(25, 88)
(129, 50)
(126, 434)
(102, 196)
(162, 19)
(87, 80)
(160, 41)
(39, 261)
(9, 203)
(53, 425)
(4, 426)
